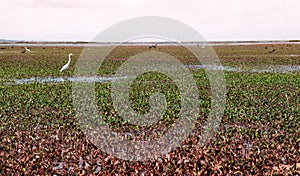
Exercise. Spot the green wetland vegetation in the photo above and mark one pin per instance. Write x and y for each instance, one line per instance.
(259, 132)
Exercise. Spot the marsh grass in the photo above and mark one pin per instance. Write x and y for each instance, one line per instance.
(259, 132)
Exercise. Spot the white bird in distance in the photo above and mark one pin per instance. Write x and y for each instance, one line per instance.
(66, 67)
(26, 49)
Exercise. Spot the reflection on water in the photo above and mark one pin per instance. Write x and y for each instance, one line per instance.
(266, 69)
(44, 80)
(38, 80)
(214, 67)
(278, 69)
(294, 55)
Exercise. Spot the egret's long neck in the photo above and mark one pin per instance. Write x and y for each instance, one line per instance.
(69, 59)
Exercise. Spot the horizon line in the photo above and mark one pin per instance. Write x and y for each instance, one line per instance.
(208, 41)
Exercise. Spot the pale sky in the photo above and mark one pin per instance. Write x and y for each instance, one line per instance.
(73, 20)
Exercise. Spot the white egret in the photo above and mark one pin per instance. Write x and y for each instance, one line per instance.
(65, 67)
(26, 49)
